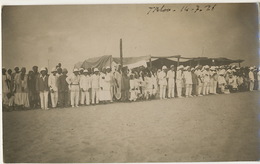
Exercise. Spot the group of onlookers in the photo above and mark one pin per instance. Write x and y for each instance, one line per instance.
(90, 86)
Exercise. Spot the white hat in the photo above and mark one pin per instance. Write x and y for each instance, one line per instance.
(96, 70)
(251, 68)
(222, 72)
(164, 67)
(180, 67)
(75, 70)
(233, 66)
(64, 70)
(43, 69)
(192, 69)
(212, 68)
(107, 67)
(229, 70)
(196, 67)
(172, 66)
(81, 69)
(206, 66)
(85, 71)
(53, 70)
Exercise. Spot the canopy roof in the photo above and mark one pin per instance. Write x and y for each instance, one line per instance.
(96, 62)
(157, 61)
(209, 61)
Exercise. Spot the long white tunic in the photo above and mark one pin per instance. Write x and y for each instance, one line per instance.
(188, 77)
(162, 78)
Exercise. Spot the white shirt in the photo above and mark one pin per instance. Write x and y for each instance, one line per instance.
(188, 77)
(85, 82)
(95, 81)
(179, 76)
(251, 76)
(53, 82)
(205, 74)
(73, 79)
(170, 75)
(162, 78)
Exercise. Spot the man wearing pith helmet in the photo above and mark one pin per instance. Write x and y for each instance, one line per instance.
(163, 82)
(85, 85)
(171, 83)
(73, 82)
(53, 84)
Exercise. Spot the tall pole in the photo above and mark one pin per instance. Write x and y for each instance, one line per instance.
(121, 53)
(150, 62)
(48, 64)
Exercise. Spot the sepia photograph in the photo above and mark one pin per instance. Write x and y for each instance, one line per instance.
(128, 83)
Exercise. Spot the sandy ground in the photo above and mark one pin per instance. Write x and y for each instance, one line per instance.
(211, 128)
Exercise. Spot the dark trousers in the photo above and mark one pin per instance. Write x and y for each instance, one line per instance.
(63, 98)
(124, 95)
(34, 99)
(195, 89)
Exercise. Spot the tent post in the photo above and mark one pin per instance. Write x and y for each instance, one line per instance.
(121, 54)
(239, 64)
(150, 62)
(190, 63)
(178, 62)
(111, 63)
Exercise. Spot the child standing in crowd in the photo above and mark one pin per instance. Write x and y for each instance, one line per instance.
(133, 95)
(138, 86)
(148, 86)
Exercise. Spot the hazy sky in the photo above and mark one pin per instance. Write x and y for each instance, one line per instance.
(68, 34)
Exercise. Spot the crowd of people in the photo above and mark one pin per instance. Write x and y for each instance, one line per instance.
(91, 86)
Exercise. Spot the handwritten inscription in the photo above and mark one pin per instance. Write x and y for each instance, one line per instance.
(184, 8)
